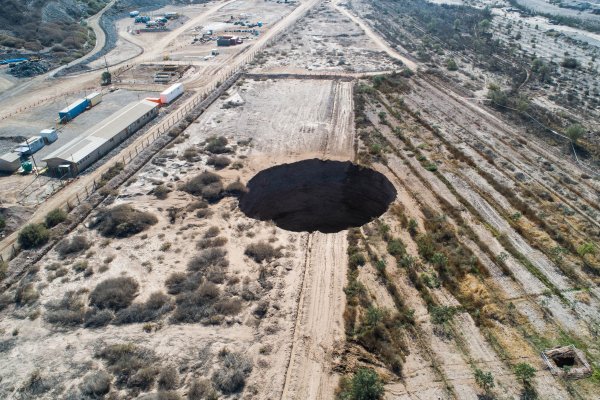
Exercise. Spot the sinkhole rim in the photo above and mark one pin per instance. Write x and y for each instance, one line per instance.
(317, 195)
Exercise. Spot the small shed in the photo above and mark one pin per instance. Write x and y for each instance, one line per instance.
(10, 162)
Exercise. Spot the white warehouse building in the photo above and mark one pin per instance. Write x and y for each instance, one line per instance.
(96, 142)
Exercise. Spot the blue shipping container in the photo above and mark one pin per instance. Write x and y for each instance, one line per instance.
(13, 60)
(73, 110)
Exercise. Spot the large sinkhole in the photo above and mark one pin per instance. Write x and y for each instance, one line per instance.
(317, 195)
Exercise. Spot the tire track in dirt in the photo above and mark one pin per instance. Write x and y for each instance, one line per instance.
(319, 325)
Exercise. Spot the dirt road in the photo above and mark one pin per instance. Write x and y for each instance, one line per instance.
(319, 324)
(376, 38)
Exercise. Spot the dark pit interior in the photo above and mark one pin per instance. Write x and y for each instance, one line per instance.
(317, 195)
(562, 361)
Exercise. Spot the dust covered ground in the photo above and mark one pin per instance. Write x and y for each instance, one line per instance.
(487, 256)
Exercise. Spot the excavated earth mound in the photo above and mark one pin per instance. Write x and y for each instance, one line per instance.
(317, 195)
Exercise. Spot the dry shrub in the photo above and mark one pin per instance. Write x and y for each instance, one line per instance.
(213, 231)
(219, 162)
(26, 294)
(161, 395)
(214, 242)
(168, 378)
(207, 184)
(206, 305)
(217, 145)
(236, 189)
(123, 221)
(95, 318)
(474, 292)
(231, 378)
(69, 311)
(114, 293)
(96, 384)
(202, 389)
(157, 304)
(197, 204)
(213, 257)
(131, 365)
(190, 154)
(179, 282)
(161, 192)
(261, 309)
(143, 379)
(77, 244)
(262, 251)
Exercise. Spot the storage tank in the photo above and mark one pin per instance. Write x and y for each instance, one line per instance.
(171, 93)
(30, 146)
(49, 135)
(94, 98)
(73, 110)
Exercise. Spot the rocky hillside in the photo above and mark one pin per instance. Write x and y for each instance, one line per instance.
(47, 24)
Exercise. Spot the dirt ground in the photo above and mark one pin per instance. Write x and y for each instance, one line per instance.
(487, 256)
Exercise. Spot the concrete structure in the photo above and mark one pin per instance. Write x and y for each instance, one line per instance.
(96, 142)
(10, 162)
(171, 93)
(94, 98)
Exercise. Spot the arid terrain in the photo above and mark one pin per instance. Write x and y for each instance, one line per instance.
(363, 200)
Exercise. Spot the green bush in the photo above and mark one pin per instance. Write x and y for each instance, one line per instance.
(356, 259)
(364, 385)
(395, 247)
(2, 223)
(451, 65)
(524, 372)
(33, 235)
(55, 217)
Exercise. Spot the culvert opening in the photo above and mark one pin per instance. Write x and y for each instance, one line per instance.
(317, 195)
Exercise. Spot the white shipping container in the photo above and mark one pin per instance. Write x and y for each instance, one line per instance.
(49, 135)
(171, 93)
(94, 98)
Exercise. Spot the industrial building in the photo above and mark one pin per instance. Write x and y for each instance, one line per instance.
(95, 143)
(10, 162)
(228, 40)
